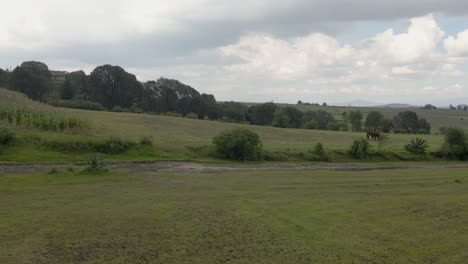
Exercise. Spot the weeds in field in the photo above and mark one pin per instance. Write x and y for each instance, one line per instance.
(6, 136)
(146, 141)
(18, 111)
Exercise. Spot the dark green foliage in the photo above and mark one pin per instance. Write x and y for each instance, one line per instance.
(94, 164)
(360, 149)
(7, 136)
(289, 117)
(238, 144)
(355, 119)
(4, 78)
(319, 153)
(409, 122)
(76, 86)
(417, 146)
(455, 145)
(233, 111)
(146, 141)
(261, 114)
(113, 146)
(52, 171)
(107, 146)
(78, 104)
(113, 86)
(318, 120)
(374, 121)
(31, 78)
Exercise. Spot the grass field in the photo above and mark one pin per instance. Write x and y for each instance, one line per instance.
(394, 216)
(175, 138)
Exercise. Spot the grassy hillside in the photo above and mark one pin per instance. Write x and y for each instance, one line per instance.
(401, 216)
(173, 136)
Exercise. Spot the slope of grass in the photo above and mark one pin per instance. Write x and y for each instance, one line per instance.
(401, 216)
(173, 136)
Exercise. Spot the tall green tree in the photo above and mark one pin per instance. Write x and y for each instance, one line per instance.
(317, 119)
(374, 121)
(113, 86)
(288, 116)
(355, 119)
(4, 77)
(409, 122)
(262, 114)
(76, 86)
(31, 78)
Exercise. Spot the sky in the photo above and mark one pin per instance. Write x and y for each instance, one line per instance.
(338, 51)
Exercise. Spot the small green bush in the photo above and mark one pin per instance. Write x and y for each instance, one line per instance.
(6, 136)
(238, 144)
(319, 153)
(94, 164)
(113, 146)
(146, 141)
(52, 171)
(417, 146)
(360, 149)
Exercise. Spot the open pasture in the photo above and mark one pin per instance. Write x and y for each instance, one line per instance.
(391, 216)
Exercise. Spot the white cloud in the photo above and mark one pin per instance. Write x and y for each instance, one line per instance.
(457, 46)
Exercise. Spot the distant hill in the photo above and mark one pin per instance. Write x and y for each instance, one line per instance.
(397, 106)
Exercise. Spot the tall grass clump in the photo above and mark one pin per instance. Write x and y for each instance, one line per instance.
(6, 136)
(17, 110)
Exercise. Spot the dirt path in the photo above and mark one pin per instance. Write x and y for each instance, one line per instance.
(191, 167)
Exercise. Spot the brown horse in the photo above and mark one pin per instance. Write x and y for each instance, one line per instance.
(373, 135)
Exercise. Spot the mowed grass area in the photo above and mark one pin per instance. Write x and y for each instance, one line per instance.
(392, 216)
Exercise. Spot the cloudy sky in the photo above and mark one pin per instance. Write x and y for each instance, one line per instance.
(339, 51)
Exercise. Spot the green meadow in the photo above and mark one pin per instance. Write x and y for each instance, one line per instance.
(391, 216)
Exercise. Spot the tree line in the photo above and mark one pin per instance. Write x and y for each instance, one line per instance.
(112, 88)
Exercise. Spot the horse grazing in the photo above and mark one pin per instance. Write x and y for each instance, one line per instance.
(373, 135)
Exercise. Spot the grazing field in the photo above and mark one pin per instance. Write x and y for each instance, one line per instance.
(176, 138)
(391, 216)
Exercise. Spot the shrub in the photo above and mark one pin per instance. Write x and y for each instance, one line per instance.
(360, 149)
(238, 144)
(94, 164)
(319, 153)
(113, 146)
(79, 104)
(455, 143)
(6, 136)
(52, 171)
(417, 146)
(146, 141)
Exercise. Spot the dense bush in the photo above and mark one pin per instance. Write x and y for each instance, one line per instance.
(360, 149)
(238, 144)
(455, 145)
(6, 136)
(417, 146)
(79, 104)
(108, 146)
